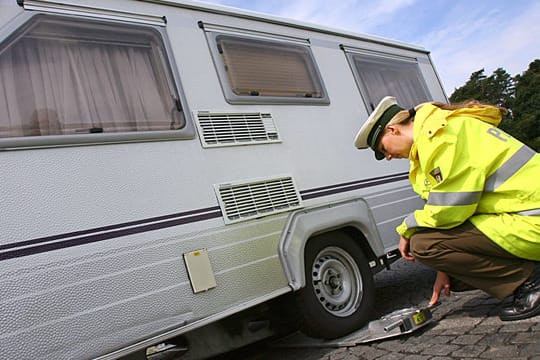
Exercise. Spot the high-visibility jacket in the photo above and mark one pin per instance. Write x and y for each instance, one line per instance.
(466, 168)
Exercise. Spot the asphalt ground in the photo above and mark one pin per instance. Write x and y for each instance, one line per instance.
(464, 326)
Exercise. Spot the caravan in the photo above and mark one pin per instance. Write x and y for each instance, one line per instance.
(170, 169)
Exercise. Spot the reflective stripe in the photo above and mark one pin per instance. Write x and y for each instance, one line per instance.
(410, 221)
(509, 168)
(533, 212)
(454, 198)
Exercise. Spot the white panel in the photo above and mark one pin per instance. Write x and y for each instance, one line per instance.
(200, 270)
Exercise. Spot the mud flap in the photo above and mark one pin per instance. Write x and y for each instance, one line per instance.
(397, 323)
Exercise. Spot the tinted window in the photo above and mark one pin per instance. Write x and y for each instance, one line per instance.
(381, 76)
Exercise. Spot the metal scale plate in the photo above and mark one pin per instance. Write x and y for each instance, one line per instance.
(397, 323)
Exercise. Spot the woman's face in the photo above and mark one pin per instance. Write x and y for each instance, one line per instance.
(394, 144)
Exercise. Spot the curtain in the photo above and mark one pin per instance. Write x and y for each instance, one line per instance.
(51, 84)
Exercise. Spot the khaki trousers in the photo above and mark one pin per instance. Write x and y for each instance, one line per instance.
(468, 256)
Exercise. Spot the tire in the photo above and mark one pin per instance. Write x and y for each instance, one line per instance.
(339, 294)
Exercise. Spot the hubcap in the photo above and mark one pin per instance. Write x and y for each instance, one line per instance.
(337, 281)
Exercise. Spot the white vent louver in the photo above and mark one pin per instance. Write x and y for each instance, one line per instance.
(229, 129)
(246, 200)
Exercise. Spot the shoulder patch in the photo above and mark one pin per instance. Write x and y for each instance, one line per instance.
(437, 175)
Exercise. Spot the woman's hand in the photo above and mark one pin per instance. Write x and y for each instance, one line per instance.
(442, 282)
(404, 248)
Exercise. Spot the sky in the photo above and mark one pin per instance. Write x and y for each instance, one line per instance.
(463, 36)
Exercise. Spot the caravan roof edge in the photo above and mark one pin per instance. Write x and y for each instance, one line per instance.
(227, 10)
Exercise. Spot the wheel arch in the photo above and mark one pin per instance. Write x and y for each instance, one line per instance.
(351, 216)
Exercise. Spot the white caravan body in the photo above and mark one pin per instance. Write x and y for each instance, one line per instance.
(117, 235)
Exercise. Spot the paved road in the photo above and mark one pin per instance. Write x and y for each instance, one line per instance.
(466, 326)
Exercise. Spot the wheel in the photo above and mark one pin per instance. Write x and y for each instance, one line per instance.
(339, 292)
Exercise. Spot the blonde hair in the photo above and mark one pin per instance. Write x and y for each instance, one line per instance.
(469, 104)
(404, 116)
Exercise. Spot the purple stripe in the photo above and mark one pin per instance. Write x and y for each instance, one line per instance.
(335, 189)
(105, 236)
(104, 228)
(336, 186)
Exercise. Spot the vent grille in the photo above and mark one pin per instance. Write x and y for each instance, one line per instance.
(229, 129)
(242, 201)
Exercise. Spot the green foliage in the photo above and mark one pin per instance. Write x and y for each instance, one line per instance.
(473, 88)
(519, 94)
(496, 89)
(526, 107)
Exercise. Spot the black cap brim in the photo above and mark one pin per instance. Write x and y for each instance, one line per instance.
(379, 155)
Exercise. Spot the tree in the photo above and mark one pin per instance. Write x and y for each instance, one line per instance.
(526, 107)
(473, 88)
(496, 89)
(520, 95)
(500, 89)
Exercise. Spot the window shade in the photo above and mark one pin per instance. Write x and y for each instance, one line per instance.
(264, 68)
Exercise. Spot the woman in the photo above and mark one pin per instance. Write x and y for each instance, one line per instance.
(480, 225)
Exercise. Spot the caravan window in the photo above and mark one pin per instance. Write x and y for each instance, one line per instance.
(260, 70)
(61, 76)
(380, 76)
